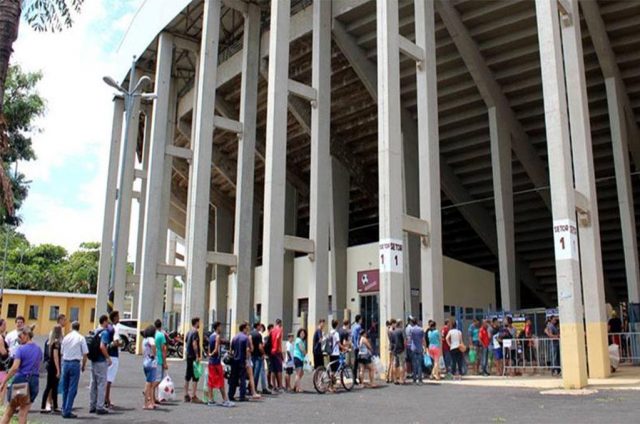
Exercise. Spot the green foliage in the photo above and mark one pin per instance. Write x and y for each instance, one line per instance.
(50, 15)
(49, 267)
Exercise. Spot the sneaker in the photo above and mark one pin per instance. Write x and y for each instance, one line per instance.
(102, 412)
(211, 403)
(228, 404)
(71, 416)
(267, 392)
(187, 398)
(92, 410)
(195, 400)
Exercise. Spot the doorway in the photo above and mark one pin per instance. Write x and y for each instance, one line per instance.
(370, 311)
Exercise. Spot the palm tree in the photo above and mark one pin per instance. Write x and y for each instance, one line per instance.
(42, 15)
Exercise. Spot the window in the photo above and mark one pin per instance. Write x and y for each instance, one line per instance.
(33, 311)
(303, 306)
(330, 309)
(93, 314)
(258, 310)
(54, 311)
(12, 310)
(75, 314)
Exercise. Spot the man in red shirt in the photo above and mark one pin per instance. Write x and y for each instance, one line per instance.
(485, 340)
(276, 354)
(445, 346)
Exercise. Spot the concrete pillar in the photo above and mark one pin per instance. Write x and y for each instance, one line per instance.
(200, 178)
(583, 168)
(572, 342)
(432, 290)
(320, 163)
(503, 198)
(389, 166)
(224, 233)
(620, 146)
(241, 304)
(106, 245)
(340, 190)
(214, 271)
(290, 228)
(153, 249)
(275, 162)
(125, 195)
(171, 260)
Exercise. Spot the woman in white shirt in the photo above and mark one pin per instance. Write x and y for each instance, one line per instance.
(149, 365)
(454, 339)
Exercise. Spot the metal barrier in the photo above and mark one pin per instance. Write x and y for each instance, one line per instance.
(628, 347)
(533, 354)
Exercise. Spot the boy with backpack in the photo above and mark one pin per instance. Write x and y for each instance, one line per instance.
(100, 363)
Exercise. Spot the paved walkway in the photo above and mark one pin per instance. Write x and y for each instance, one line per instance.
(448, 402)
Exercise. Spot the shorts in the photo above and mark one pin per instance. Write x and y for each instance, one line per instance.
(399, 360)
(149, 374)
(497, 354)
(188, 375)
(289, 371)
(216, 376)
(160, 373)
(276, 363)
(34, 386)
(364, 361)
(298, 363)
(112, 371)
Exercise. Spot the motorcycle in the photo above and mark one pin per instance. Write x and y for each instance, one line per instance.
(128, 343)
(175, 345)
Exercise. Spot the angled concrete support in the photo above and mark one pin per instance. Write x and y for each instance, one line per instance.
(275, 163)
(572, 343)
(104, 266)
(223, 243)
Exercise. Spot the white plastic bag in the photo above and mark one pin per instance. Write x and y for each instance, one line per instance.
(307, 364)
(378, 365)
(614, 356)
(166, 390)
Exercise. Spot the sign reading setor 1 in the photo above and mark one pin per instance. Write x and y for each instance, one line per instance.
(565, 238)
(391, 256)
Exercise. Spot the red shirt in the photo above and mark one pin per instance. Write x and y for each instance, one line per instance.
(445, 345)
(483, 336)
(276, 340)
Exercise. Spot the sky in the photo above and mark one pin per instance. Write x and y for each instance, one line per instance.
(66, 197)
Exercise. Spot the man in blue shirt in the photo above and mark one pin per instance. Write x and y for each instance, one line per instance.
(113, 349)
(417, 345)
(99, 367)
(240, 347)
(355, 340)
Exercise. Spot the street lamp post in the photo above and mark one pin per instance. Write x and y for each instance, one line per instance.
(129, 96)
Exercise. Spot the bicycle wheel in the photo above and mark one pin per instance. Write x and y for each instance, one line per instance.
(346, 378)
(321, 380)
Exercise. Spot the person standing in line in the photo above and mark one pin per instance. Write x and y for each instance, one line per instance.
(268, 356)
(257, 358)
(161, 358)
(276, 355)
(365, 351)
(113, 347)
(318, 356)
(253, 387)
(216, 373)
(336, 349)
(12, 338)
(391, 326)
(553, 332)
(373, 336)
(54, 368)
(407, 347)
(435, 351)
(454, 339)
(398, 353)
(299, 352)
(355, 342)
(194, 354)
(4, 357)
(417, 346)
(288, 365)
(485, 341)
(26, 369)
(74, 351)
(240, 349)
(474, 343)
(446, 351)
(149, 366)
(99, 368)
(496, 341)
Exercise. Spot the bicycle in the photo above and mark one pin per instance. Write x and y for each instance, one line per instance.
(323, 377)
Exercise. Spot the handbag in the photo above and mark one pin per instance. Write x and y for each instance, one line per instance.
(19, 395)
(462, 347)
(197, 370)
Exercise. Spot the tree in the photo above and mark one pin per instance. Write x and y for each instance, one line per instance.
(42, 15)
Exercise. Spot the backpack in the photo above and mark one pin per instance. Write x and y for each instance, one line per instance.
(93, 343)
(267, 345)
(46, 357)
(327, 344)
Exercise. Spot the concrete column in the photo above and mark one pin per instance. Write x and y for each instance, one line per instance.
(340, 190)
(503, 198)
(275, 163)
(106, 245)
(583, 168)
(241, 279)
(200, 178)
(224, 233)
(620, 146)
(432, 290)
(572, 342)
(389, 166)
(214, 271)
(125, 195)
(290, 228)
(171, 260)
(320, 163)
(152, 251)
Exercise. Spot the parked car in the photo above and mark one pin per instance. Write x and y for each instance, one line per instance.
(128, 329)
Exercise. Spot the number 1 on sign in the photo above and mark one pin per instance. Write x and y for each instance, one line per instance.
(562, 242)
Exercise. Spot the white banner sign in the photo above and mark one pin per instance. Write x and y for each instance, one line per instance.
(565, 238)
(391, 256)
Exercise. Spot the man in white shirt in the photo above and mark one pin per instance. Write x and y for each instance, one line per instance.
(74, 352)
(12, 336)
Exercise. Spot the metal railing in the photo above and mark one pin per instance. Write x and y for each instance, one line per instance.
(533, 354)
(628, 348)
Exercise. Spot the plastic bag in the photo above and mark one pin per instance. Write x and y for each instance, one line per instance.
(307, 364)
(441, 364)
(166, 390)
(197, 370)
(378, 365)
(428, 362)
(614, 355)
(473, 356)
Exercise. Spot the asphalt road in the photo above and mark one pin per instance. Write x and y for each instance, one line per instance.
(446, 403)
